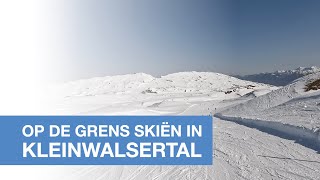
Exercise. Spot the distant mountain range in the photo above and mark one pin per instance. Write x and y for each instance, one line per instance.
(280, 78)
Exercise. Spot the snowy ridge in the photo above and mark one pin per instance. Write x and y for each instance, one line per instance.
(282, 77)
(274, 98)
(107, 84)
(182, 82)
(141, 92)
(289, 110)
(304, 136)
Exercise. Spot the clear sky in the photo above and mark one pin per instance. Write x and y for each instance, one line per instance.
(155, 37)
(274, 34)
(98, 37)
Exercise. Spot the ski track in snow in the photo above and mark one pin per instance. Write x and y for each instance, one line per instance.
(300, 135)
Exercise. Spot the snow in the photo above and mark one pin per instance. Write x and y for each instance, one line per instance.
(288, 105)
(251, 127)
(173, 92)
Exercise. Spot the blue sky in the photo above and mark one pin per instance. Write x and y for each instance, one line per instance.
(275, 34)
(97, 38)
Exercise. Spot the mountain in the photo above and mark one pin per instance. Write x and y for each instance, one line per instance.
(280, 78)
(142, 90)
(140, 83)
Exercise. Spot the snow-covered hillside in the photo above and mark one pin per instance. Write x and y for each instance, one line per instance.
(280, 78)
(291, 110)
(291, 99)
(137, 91)
(183, 82)
(260, 131)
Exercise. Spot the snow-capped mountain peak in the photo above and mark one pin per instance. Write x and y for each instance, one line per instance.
(281, 77)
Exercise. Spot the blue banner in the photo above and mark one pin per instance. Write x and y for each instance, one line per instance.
(106, 140)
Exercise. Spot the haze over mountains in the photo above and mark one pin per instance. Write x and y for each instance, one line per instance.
(281, 77)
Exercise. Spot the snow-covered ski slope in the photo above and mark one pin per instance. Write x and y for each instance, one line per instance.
(289, 110)
(241, 150)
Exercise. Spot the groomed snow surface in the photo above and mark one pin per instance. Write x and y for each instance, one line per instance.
(260, 131)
